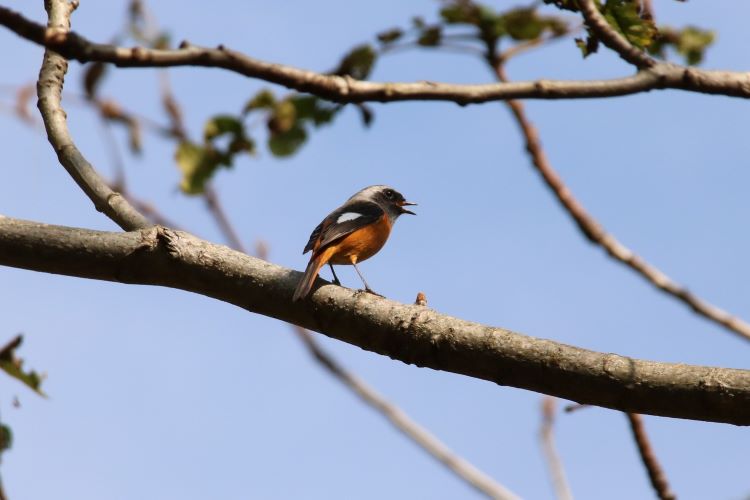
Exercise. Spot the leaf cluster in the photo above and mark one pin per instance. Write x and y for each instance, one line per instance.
(288, 120)
(636, 25)
(486, 25)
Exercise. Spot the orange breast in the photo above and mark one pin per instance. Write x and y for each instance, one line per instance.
(361, 244)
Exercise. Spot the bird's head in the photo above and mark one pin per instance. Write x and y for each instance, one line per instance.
(388, 198)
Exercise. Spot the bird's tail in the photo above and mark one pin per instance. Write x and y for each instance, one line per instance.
(306, 283)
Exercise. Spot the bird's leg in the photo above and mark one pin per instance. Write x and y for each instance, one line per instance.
(335, 278)
(367, 287)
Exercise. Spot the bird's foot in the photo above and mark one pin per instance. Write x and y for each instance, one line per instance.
(370, 290)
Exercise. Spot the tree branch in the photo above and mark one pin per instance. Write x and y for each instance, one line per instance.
(554, 463)
(49, 91)
(411, 429)
(346, 90)
(655, 472)
(409, 333)
(599, 236)
(612, 38)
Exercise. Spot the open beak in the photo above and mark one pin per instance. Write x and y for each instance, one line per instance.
(405, 211)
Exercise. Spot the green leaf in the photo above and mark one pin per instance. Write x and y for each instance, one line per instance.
(418, 22)
(358, 63)
(312, 108)
(587, 46)
(571, 5)
(262, 100)
(283, 117)
(459, 13)
(198, 164)
(491, 25)
(625, 16)
(222, 124)
(690, 42)
(524, 24)
(240, 144)
(430, 37)
(287, 143)
(390, 36)
(693, 43)
(135, 137)
(13, 366)
(6, 438)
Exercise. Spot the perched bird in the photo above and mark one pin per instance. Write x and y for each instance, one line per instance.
(352, 233)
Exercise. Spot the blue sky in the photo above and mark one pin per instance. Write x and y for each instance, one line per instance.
(158, 393)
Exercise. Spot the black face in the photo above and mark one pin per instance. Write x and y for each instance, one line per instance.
(393, 197)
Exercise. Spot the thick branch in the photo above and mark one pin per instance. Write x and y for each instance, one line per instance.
(49, 91)
(346, 89)
(409, 333)
(612, 38)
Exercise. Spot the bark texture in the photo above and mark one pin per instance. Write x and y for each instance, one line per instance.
(410, 333)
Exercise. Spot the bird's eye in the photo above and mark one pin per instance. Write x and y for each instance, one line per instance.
(389, 194)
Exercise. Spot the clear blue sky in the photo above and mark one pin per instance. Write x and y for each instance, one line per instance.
(158, 394)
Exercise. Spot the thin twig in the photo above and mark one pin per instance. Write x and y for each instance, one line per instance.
(215, 207)
(23, 96)
(150, 211)
(528, 45)
(411, 429)
(49, 90)
(598, 235)
(171, 106)
(447, 47)
(575, 407)
(655, 472)
(612, 38)
(346, 89)
(554, 462)
(177, 125)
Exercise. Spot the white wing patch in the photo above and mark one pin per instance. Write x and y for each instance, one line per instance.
(347, 216)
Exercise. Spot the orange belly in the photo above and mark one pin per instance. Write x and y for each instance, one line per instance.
(361, 244)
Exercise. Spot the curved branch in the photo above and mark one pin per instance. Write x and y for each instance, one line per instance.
(612, 38)
(599, 236)
(49, 91)
(409, 333)
(347, 90)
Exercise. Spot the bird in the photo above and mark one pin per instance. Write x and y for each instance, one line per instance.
(353, 232)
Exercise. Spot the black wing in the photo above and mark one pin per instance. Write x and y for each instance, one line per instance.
(330, 229)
